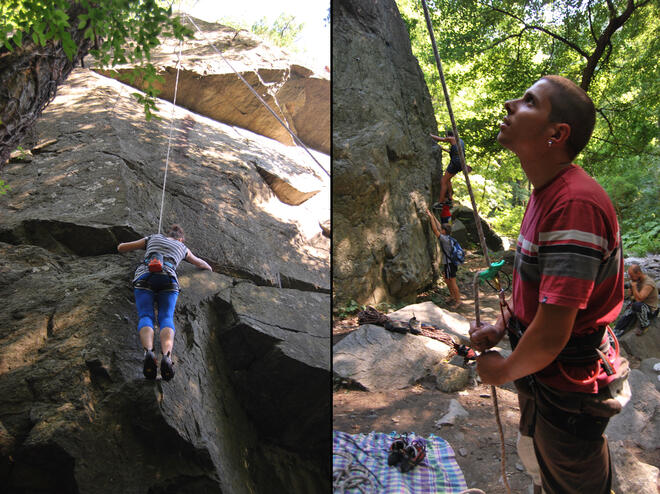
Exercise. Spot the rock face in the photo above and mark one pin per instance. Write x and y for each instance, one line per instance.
(378, 359)
(384, 161)
(465, 231)
(249, 408)
(209, 86)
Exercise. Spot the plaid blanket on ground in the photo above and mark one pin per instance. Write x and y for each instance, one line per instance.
(438, 473)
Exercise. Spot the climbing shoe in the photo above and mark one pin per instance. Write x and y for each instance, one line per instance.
(413, 455)
(437, 205)
(396, 451)
(150, 367)
(166, 368)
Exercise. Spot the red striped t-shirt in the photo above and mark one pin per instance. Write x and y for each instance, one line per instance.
(569, 254)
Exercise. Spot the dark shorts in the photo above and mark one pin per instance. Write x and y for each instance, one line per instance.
(454, 167)
(449, 270)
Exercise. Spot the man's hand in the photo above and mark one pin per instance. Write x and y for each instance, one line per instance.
(492, 368)
(485, 336)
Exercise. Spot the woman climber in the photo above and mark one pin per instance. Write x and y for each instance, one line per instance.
(155, 280)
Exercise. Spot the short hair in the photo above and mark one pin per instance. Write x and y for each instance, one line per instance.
(635, 268)
(449, 132)
(175, 231)
(446, 227)
(570, 104)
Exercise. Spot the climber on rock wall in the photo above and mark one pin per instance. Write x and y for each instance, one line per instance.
(155, 280)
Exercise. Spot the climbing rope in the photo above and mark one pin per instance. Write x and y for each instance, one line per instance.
(482, 238)
(261, 100)
(353, 476)
(169, 140)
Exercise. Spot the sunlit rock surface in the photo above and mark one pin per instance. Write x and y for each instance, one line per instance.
(249, 407)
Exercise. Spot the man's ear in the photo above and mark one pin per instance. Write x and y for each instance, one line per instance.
(562, 133)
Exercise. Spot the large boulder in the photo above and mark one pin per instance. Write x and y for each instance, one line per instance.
(209, 84)
(642, 346)
(384, 162)
(248, 409)
(380, 360)
(464, 229)
(640, 418)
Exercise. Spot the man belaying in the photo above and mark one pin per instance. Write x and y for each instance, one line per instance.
(155, 280)
(567, 287)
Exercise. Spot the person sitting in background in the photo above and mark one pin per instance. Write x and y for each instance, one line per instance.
(442, 232)
(643, 304)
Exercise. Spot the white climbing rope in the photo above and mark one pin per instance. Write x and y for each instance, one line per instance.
(169, 140)
(261, 100)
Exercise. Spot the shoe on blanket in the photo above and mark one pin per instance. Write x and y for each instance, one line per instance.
(413, 455)
(149, 366)
(396, 451)
(166, 367)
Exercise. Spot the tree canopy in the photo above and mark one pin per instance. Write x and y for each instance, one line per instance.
(42, 40)
(492, 50)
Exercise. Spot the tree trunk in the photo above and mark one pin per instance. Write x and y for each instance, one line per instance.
(29, 77)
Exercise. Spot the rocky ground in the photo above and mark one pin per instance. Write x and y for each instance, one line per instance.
(416, 409)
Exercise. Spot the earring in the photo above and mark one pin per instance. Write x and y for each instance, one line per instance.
(550, 143)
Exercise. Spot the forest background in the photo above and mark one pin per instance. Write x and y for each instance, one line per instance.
(493, 50)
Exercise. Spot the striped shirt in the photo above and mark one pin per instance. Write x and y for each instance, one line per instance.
(172, 250)
(569, 254)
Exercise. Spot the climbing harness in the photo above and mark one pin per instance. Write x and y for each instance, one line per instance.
(482, 239)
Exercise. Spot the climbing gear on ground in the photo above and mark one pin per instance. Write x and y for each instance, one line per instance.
(396, 450)
(414, 326)
(166, 367)
(373, 316)
(413, 455)
(150, 367)
(353, 476)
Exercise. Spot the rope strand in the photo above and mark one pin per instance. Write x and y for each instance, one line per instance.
(477, 221)
(169, 140)
(263, 102)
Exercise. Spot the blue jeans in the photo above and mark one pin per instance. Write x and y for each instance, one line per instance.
(164, 292)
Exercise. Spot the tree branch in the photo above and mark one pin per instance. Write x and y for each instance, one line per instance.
(567, 42)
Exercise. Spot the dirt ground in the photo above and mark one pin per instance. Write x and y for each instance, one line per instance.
(476, 440)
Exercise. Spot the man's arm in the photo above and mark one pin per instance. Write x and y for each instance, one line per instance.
(543, 340)
(640, 295)
(135, 245)
(200, 263)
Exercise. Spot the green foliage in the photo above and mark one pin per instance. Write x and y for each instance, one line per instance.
(634, 192)
(283, 32)
(120, 31)
(3, 187)
(492, 51)
(351, 308)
